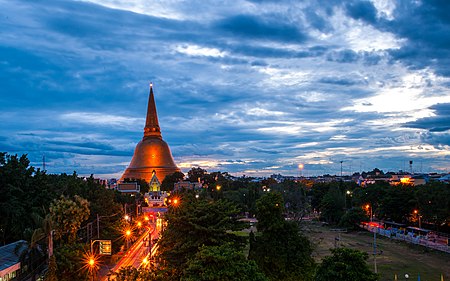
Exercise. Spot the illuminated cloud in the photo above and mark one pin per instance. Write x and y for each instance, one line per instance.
(252, 87)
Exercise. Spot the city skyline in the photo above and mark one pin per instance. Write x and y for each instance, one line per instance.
(247, 87)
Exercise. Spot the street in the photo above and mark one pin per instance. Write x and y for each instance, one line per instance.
(138, 251)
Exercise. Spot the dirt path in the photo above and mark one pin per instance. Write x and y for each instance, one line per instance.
(393, 257)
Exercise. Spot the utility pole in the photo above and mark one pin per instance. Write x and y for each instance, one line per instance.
(341, 167)
(98, 227)
(375, 250)
(50, 244)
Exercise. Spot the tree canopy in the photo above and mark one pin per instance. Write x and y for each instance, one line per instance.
(221, 263)
(193, 223)
(279, 249)
(346, 265)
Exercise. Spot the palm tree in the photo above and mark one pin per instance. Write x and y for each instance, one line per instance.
(34, 254)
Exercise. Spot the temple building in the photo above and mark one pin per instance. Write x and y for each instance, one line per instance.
(152, 153)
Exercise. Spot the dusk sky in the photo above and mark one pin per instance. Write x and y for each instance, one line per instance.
(247, 87)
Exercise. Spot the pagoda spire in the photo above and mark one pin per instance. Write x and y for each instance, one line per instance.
(151, 123)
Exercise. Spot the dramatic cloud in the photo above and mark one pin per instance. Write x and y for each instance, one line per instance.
(248, 87)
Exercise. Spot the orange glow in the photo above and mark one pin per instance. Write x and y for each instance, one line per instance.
(218, 187)
(367, 206)
(146, 218)
(128, 232)
(139, 224)
(175, 201)
(90, 261)
(405, 180)
(416, 212)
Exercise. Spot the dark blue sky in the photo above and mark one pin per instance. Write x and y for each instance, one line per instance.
(248, 87)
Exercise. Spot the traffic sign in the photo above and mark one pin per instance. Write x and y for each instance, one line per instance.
(105, 247)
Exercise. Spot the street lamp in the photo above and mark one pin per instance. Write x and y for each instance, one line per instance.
(368, 207)
(348, 193)
(127, 237)
(218, 187)
(300, 168)
(416, 212)
(406, 276)
(91, 263)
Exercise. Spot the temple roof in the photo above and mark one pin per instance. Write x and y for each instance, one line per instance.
(152, 154)
(151, 123)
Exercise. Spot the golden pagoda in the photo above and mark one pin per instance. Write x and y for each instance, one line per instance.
(152, 153)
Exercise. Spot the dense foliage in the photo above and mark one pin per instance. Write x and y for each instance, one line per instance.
(221, 263)
(192, 224)
(33, 204)
(201, 240)
(345, 264)
(279, 249)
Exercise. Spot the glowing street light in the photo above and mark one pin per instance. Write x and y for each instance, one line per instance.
(139, 224)
(91, 263)
(416, 212)
(301, 167)
(369, 208)
(127, 237)
(218, 187)
(126, 217)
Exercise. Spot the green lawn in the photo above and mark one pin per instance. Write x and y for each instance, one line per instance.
(394, 257)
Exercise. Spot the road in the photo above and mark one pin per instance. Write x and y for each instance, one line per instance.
(138, 251)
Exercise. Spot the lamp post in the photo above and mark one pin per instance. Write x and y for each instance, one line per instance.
(127, 237)
(91, 263)
(416, 212)
(300, 168)
(347, 194)
(369, 208)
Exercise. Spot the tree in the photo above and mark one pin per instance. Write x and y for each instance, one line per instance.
(346, 265)
(70, 264)
(433, 203)
(296, 202)
(269, 211)
(67, 216)
(192, 223)
(396, 203)
(221, 263)
(281, 251)
(353, 217)
(51, 274)
(332, 205)
(169, 181)
(196, 174)
(15, 182)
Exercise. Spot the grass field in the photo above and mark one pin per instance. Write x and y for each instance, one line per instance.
(393, 257)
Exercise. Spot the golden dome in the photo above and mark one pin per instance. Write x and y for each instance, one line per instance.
(152, 152)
